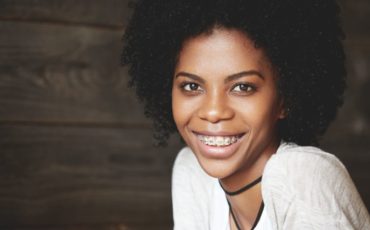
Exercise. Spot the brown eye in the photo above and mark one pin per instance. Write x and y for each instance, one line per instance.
(191, 87)
(243, 88)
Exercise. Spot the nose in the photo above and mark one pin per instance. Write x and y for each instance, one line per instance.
(215, 108)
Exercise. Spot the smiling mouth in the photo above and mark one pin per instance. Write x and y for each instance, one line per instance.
(219, 141)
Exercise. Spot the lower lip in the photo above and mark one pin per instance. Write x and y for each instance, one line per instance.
(218, 152)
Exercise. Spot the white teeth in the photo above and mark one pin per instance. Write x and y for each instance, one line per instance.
(227, 141)
(218, 140)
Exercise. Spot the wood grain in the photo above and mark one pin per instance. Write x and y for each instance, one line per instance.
(72, 176)
(64, 74)
(108, 14)
(84, 227)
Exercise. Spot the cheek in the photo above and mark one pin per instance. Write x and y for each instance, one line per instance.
(181, 109)
(258, 111)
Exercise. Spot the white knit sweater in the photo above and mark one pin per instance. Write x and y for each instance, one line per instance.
(302, 188)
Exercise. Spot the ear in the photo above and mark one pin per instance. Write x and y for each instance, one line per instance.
(282, 112)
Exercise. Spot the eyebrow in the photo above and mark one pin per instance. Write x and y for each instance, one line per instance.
(189, 75)
(228, 78)
(244, 74)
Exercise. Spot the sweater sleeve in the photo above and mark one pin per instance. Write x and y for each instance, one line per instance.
(306, 188)
(190, 193)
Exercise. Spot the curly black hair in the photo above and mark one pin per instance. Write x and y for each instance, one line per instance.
(303, 40)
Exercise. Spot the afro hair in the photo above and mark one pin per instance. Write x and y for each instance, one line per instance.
(303, 40)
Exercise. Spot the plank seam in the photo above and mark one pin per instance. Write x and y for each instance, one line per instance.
(119, 125)
(64, 23)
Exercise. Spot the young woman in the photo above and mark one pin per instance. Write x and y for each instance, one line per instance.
(250, 86)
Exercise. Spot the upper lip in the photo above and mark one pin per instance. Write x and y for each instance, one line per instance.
(222, 133)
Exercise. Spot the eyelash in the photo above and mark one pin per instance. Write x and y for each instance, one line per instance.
(250, 88)
(188, 84)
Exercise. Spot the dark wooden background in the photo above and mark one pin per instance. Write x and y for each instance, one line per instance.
(76, 151)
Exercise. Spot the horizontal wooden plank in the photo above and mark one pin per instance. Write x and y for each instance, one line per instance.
(78, 227)
(142, 226)
(64, 74)
(114, 13)
(46, 44)
(101, 13)
(51, 176)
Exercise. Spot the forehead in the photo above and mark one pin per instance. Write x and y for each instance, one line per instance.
(228, 50)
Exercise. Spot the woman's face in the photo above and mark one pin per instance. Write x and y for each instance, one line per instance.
(225, 102)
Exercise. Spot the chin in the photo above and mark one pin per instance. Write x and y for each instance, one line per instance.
(215, 168)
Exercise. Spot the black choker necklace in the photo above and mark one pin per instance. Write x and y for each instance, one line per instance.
(246, 187)
(255, 221)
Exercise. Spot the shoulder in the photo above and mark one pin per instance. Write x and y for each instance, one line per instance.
(305, 162)
(297, 168)
(310, 184)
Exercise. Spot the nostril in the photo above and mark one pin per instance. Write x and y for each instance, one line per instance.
(216, 114)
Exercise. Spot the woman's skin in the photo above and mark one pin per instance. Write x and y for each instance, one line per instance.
(224, 90)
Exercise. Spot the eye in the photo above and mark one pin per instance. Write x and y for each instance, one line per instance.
(191, 86)
(243, 88)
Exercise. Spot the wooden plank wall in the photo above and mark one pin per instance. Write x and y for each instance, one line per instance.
(76, 151)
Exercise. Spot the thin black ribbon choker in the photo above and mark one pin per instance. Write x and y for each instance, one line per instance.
(246, 187)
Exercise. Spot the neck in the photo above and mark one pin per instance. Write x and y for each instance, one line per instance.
(246, 208)
(251, 171)
(246, 204)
